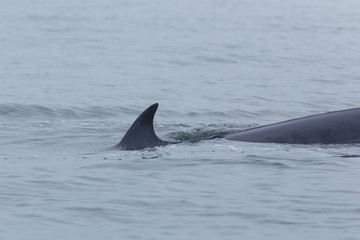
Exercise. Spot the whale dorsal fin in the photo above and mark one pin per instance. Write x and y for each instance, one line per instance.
(141, 134)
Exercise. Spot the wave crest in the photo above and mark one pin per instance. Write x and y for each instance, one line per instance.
(22, 111)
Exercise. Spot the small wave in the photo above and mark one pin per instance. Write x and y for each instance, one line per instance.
(17, 110)
(22, 111)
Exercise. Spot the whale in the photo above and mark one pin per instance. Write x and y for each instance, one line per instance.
(337, 127)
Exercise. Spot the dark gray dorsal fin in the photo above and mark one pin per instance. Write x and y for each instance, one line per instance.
(141, 134)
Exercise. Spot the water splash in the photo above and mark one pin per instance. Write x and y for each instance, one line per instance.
(208, 131)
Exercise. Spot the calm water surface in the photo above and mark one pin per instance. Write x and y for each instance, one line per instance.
(75, 74)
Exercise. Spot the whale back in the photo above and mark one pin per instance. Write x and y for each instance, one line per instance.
(336, 127)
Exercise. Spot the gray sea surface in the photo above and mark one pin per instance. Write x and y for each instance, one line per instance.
(74, 75)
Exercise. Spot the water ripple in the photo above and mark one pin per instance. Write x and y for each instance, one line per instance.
(23, 111)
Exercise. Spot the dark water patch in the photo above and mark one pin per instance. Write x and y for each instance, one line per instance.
(216, 60)
(100, 166)
(267, 161)
(350, 156)
(94, 179)
(232, 162)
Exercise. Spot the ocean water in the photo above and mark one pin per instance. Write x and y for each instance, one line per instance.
(75, 74)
